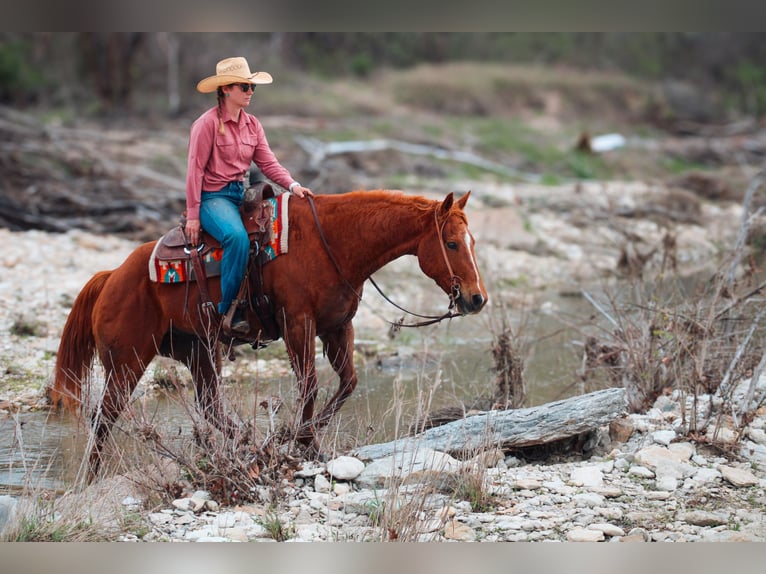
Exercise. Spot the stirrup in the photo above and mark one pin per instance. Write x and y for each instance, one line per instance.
(233, 322)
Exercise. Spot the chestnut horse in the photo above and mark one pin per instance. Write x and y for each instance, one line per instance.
(126, 319)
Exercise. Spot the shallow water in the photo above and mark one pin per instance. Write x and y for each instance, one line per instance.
(426, 369)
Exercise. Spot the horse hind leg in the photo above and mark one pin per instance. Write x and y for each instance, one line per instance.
(121, 380)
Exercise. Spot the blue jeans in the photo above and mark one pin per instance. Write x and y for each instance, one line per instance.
(219, 216)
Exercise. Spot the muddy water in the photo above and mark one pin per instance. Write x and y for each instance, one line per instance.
(430, 368)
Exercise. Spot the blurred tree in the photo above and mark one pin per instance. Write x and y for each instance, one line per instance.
(170, 44)
(106, 60)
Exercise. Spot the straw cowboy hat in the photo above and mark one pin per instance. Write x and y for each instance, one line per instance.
(231, 71)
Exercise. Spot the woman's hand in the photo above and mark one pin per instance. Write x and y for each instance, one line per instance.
(192, 230)
(301, 191)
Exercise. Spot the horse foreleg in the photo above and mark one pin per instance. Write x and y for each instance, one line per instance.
(301, 347)
(339, 347)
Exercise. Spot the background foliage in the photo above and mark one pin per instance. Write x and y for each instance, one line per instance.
(119, 73)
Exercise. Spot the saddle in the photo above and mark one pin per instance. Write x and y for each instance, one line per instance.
(256, 214)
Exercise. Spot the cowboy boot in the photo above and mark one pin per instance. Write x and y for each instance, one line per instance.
(234, 320)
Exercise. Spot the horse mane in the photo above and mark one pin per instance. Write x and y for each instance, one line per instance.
(398, 197)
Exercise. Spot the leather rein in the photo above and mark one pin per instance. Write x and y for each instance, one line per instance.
(431, 319)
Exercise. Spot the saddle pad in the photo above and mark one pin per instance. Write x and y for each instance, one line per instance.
(181, 270)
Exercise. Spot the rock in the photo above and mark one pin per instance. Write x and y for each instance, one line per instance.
(527, 484)
(639, 533)
(758, 436)
(588, 499)
(321, 484)
(663, 437)
(345, 468)
(704, 475)
(666, 461)
(455, 530)
(189, 504)
(737, 476)
(641, 472)
(754, 452)
(131, 503)
(703, 518)
(403, 464)
(585, 535)
(667, 483)
(8, 506)
(309, 471)
(588, 476)
(607, 529)
(341, 488)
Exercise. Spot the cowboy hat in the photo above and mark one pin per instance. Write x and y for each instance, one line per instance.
(231, 71)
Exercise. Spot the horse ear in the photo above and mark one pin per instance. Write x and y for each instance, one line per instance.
(462, 201)
(447, 203)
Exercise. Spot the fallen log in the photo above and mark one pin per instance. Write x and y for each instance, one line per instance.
(318, 151)
(516, 428)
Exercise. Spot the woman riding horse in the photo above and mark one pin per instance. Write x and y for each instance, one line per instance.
(224, 141)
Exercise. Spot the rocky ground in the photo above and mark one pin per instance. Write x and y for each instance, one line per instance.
(643, 483)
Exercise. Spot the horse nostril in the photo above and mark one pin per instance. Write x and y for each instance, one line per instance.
(477, 300)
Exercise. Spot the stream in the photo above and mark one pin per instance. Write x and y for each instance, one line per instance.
(426, 369)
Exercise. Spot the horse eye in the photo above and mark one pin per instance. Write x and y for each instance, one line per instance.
(452, 245)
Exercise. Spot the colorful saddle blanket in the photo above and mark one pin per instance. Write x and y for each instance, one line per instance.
(178, 270)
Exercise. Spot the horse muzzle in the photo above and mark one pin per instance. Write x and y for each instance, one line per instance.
(470, 305)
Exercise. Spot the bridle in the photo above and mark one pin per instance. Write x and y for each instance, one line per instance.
(454, 294)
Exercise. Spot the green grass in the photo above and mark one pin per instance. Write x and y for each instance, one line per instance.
(677, 165)
(277, 529)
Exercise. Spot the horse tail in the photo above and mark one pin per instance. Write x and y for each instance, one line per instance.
(77, 347)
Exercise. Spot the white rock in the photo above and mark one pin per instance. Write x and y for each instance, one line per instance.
(663, 437)
(758, 436)
(341, 488)
(641, 472)
(704, 475)
(737, 476)
(321, 484)
(667, 483)
(606, 528)
(309, 471)
(405, 463)
(585, 535)
(188, 504)
(131, 503)
(589, 499)
(588, 476)
(345, 468)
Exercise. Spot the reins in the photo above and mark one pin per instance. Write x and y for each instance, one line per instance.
(431, 319)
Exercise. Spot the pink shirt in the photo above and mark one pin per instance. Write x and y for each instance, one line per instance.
(215, 159)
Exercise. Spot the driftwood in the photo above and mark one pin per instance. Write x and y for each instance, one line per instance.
(318, 151)
(517, 428)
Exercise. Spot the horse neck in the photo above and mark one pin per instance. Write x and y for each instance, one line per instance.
(374, 228)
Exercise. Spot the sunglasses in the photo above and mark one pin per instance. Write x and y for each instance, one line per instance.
(245, 87)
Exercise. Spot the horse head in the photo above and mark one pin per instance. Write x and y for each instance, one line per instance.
(446, 254)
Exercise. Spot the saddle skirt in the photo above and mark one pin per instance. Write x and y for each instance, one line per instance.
(265, 216)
